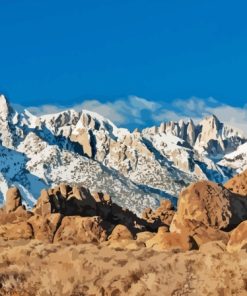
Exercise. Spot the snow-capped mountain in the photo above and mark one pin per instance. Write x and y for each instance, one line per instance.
(136, 168)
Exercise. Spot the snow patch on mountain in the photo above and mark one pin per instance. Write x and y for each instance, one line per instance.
(236, 160)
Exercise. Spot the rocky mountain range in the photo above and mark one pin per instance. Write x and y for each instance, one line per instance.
(136, 168)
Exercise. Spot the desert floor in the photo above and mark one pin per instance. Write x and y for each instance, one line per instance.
(34, 268)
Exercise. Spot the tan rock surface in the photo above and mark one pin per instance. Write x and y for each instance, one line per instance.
(238, 238)
(44, 228)
(213, 247)
(163, 215)
(76, 229)
(238, 184)
(164, 241)
(121, 232)
(211, 205)
(201, 233)
(13, 199)
(19, 215)
(144, 236)
(15, 231)
(43, 206)
(84, 139)
(79, 201)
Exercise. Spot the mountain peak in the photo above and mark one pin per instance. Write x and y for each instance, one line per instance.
(212, 117)
(211, 122)
(5, 108)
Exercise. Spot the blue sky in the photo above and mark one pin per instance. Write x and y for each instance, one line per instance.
(104, 55)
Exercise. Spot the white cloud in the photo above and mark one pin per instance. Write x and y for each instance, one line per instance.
(166, 115)
(142, 104)
(114, 111)
(197, 108)
(46, 109)
(233, 116)
(121, 111)
(193, 104)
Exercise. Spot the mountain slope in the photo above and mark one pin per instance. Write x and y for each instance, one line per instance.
(136, 168)
(236, 160)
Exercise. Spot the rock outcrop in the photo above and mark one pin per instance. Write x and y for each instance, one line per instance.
(121, 232)
(206, 212)
(200, 232)
(212, 205)
(76, 230)
(71, 214)
(19, 215)
(44, 228)
(68, 200)
(122, 238)
(79, 201)
(163, 215)
(205, 209)
(15, 231)
(14, 218)
(13, 199)
(164, 241)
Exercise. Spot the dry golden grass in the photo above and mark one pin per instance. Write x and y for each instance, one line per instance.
(35, 268)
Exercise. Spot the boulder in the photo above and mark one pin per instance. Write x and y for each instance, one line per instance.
(65, 190)
(213, 247)
(122, 238)
(238, 238)
(102, 198)
(163, 215)
(66, 200)
(144, 236)
(19, 215)
(76, 229)
(166, 204)
(80, 202)
(208, 204)
(103, 204)
(164, 241)
(43, 206)
(44, 228)
(13, 199)
(201, 233)
(125, 244)
(14, 231)
(121, 232)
